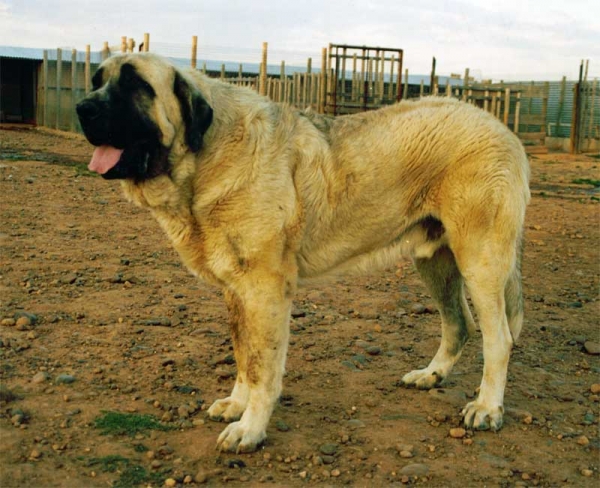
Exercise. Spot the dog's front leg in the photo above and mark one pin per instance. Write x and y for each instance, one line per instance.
(260, 336)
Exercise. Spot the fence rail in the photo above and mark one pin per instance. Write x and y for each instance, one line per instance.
(350, 79)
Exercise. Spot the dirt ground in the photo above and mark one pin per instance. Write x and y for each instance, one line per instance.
(99, 316)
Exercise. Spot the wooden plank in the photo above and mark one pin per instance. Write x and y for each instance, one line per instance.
(73, 89)
(528, 119)
(532, 136)
(194, 57)
(58, 86)
(536, 149)
(46, 81)
(87, 73)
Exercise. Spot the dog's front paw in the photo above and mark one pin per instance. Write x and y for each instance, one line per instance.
(478, 415)
(424, 379)
(226, 410)
(240, 437)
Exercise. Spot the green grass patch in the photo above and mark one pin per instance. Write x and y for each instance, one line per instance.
(118, 423)
(108, 464)
(587, 181)
(130, 473)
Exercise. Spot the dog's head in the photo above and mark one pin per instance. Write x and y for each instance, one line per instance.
(139, 108)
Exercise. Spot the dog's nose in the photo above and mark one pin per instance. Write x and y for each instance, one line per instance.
(87, 110)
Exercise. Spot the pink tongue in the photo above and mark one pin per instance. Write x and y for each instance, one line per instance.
(104, 158)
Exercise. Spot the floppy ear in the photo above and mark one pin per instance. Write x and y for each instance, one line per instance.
(196, 113)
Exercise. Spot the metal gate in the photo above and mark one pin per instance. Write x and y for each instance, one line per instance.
(362, 78)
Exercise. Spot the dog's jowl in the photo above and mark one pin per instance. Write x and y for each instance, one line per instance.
(258, 198)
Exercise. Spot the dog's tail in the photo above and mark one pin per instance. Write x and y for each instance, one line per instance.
(513, 296)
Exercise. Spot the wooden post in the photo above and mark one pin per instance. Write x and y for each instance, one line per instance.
(382, 78)
(422, 88)
(194, 51)
(45, 71)
(506, 105)
(574, 118)
(222, 71)
(517, 113)
(405, 94)
(263, 70)
(73, 89)
(465, 85)
(123, 44)
(87, 69)
(146, 42)
(105, 51)
(432, 79)
(204, 68)
(561, 104)
(58, 86)
(593, 101)
(130, 45)
(323, 81)
(391, 85)
(343, 77)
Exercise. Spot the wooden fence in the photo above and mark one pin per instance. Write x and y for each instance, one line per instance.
(350, 79)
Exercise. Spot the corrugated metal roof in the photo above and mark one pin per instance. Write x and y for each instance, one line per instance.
(21, 52)
(37, 54)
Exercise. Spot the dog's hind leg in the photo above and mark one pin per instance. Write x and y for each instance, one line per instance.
(446, 285)
(487, 267)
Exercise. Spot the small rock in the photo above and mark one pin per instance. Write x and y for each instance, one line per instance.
(583, 440)
(454, 397)
(9, 322)
(405, 447)
(35, 454)
(587, 473)
(335, 473)
(373, 350)
(328, 449)
(406, 454)
(303, 474)
(23, 323)
(6, 395)
(32, 318)
(355, 424)
(595, 388)
(458, 433)
(350, 365)
(223, 373)
(236, 463)
(281, 426)
(418, 308)
(328, 459)
(592, 348)
(187, 480)
(416, 469)
(228, 359)
(65, 379)
(170, 482)
(40, 377)
(183, 412)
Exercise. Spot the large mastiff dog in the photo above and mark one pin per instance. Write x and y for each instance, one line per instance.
(258, 198)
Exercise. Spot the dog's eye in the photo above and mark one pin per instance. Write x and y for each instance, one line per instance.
(97, 79)
(130, 80)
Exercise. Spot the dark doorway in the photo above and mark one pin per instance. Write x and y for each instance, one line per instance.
(18, 90)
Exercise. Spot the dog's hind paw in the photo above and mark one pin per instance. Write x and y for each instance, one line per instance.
(482, 417)
(424, 379)
(238, 437)
(226, 410)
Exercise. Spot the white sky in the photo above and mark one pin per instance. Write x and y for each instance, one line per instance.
(499, 39)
